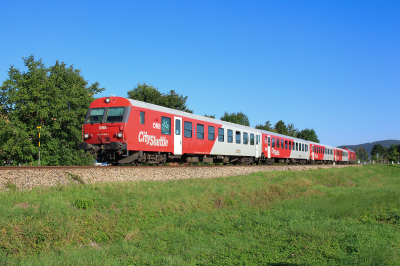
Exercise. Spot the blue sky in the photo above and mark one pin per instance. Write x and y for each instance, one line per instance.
(329, 65)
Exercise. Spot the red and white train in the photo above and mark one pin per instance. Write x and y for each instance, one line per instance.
(124, 131)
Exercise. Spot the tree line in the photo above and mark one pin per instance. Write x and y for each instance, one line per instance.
(57, 98)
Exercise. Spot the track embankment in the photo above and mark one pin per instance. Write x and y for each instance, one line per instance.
(29, 178)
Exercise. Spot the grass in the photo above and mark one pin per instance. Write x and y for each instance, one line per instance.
(347, 216)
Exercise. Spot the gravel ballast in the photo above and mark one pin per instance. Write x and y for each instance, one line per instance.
(27, 179)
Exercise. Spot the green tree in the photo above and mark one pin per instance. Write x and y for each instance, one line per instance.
(361, 154)
(267, 126)
(393, 154)
(291, 130)
(308, 134)
(378, 148)
(149, 94)
(237, 118)
(55, 98)
(280, 127)
(210, 116)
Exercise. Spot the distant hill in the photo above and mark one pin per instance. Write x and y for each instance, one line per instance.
(368, 146)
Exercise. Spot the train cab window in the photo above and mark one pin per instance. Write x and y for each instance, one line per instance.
(177, 127)
(230, 136)
(221, 134)
(277, 144)
(273, 143)
(237, 137)
(96, 115)
(200, 131)
(286, 144)
(115, 114)
(210, 133)
(282, 146)
(297, 146)
(302, 145)
(245, 138)
(252, 139)
(165, 125)
(142, 118)
(188, 129)
(290, 145)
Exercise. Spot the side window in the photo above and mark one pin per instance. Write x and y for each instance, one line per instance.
(293, 145)
(282, 146)
(256, 139)
(230, 136)
(142, 118)
(165, 125)
(237, 137)
(177, 127)
(277, 144)
(188, 129)
(273, 142)
(245, 138)
(221, 134)
(286, 144)
(200, 131)
(302, 145)
(306, 147)
(290, 145)
(252, 139)
(265, 141)
(211, 135)
(297, 146)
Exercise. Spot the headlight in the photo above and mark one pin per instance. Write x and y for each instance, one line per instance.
(108, 100)
(119, 135)
(86, 135)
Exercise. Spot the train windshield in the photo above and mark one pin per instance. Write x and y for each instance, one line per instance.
(115, 114)
(96, 115)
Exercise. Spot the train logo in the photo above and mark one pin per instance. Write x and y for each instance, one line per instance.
(152, 140)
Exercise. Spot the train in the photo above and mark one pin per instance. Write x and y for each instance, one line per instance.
(119, 131)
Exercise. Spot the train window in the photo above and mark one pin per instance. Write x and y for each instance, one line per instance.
(237, 137)
(331, 152)
(269, 141)
(177, 127)
(165, 125)
(142, 118)
(252, 139)
(188, 129)
(210, 133)
(200, 131)
(282, 146)
(96, 115)
(230, 136)
(265, 141)
(293, 145)
(257, 136)
(245, 138)
(302, 145)
(286, 144)
(297, 146)
(273, 143)
(221, 134)
(290, 145)
(277, 143)
(306, 147)
(115, 114)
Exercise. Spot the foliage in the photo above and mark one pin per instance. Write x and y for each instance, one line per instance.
(11, 186)
(267, 126)
(361, 154)
(55, 98)
(347, 216)
(308, 134)
(280, 127)
(210, 116)
(378, 148)
(237, 118)
(393, 154)
(149, 94)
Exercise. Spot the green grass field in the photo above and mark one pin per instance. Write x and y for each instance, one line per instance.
(347, 216)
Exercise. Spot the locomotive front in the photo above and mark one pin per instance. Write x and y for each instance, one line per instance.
(104, 130)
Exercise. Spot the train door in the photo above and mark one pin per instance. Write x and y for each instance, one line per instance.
(258, 142)
(178, 136)
(269, 147)
(312, 152)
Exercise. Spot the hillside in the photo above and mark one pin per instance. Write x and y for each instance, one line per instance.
(368, 146)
